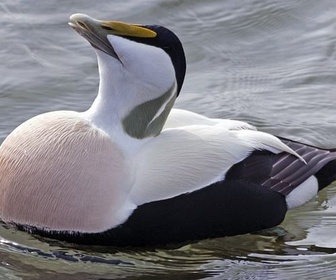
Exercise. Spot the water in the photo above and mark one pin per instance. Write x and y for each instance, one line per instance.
(272, 63)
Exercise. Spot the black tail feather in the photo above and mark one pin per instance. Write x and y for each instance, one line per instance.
(284, 172)
(326, 175)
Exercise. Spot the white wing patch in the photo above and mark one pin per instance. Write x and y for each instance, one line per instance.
(185, 159)
(179, 118)
(264, 141)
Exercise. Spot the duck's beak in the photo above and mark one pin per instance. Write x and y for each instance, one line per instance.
(96, 31)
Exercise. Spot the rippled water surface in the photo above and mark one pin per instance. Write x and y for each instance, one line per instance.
(272, 63)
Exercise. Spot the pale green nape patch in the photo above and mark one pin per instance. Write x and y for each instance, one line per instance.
(144, 121)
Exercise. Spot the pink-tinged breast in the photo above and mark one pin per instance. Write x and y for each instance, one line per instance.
(57, 171)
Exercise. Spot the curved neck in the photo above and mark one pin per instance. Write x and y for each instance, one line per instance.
(127, 108)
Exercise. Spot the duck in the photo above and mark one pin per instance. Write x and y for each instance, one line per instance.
(133, 171)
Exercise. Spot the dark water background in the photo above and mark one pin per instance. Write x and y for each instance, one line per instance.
(271, 63)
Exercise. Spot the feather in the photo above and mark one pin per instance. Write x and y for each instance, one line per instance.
(179, 118)
(188, 158)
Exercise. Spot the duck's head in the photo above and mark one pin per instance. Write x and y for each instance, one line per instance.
(142, 68)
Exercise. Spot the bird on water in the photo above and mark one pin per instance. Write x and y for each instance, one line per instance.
(134, 171)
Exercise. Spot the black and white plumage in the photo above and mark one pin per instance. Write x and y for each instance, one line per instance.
(133, 171)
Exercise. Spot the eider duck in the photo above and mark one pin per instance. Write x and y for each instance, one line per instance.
(132, 171)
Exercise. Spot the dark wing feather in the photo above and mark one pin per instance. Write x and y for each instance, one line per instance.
(282, 172)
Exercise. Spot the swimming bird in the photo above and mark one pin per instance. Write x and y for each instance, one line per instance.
(134, 171)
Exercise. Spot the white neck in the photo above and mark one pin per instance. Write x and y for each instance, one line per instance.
(135, 93)
(106, 110)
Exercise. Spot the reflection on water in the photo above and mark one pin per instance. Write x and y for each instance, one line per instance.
(271, 63)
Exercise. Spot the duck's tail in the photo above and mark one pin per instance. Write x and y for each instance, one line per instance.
(288, 175)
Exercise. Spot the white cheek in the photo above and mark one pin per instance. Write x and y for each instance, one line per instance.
(146, 63)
